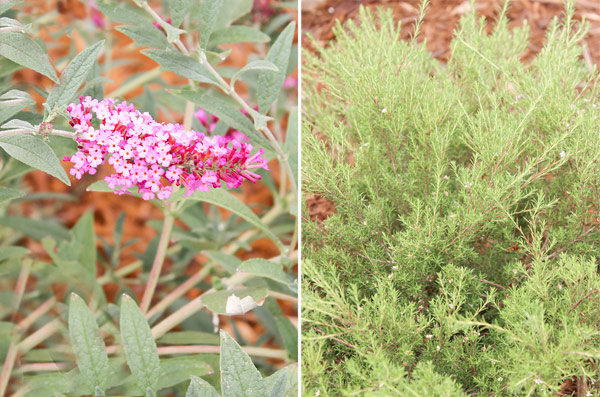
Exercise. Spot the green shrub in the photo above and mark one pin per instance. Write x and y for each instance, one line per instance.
(461, 258)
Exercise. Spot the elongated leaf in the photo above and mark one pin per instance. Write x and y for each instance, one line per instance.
(7, 5)
(7, 194)
(239, 376)
(123, 12)
(233, 10)
(234, 302)
(226, 112)
(21, 49)
(275, 382)
(200, 388)
(182, 65)
(228, 201)
(88, 345)
(264, 268)
(83, 232)
(289, 334)
(254, 66)
(73, 76)
(228, 262)
(269, 84)
(179, 369)
(12, 252)
(209, 10)
(36, 153)
(178, 10)
(189, 338)
(34, 228)
(145, 35)
(237, 34)
(140, 347)
(12, 102)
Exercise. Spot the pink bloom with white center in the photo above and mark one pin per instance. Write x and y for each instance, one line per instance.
(154, 156)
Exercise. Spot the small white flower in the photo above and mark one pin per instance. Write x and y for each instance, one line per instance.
(559, 286)
(395, 267)
(438, 348)
(384, 110)
(428, 336)
(390, 275)
(500, 379)
(331, 10)
(562, 154)
(538, 381)
(450, 305)
(381, 384)
(468, 185)
(589, 393)
(318, 393)
(360, 309)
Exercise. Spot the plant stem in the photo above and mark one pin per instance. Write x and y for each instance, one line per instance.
(7, 368)
(39, 336)
(161, 253)
(36, 314)
(22, 131)
(180, 291)
(195, 349)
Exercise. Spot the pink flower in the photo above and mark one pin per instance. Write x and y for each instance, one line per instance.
(155, 156)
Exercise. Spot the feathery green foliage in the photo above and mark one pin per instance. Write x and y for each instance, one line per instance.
(461, 259)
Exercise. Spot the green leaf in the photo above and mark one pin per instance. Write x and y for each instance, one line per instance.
(286, 377)
(23, 50)
(200, 388)
(34, 228)
(83, 232)
(179, 369)
(183, 65)
(233, 10)
(16, 124)
(254, 65)
(73, 76)
(88, 345)
(36, 153)
(123, 12)
(178, 10)
(291, 147)
(237, 34)
(228, 262)
(209, 11)
(239, 376)
(140, 347)
(226, 112)
(269, 84)
(289, 334)
(189, 338)
(264, 268)
(7, 5)
(145, 35)
(7, 194)
(12, 252)
(234, 302)
(222, 198)
(12, 102)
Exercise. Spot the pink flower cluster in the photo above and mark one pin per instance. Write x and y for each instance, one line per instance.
(155, 156)
(210, 122)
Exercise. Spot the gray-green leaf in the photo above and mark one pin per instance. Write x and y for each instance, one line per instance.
(183, 65)
(73, 76)
(36, 153)
(88, 345)
(83, 232)
(145, 35)
(254, 65)
(21, 49)
(270, 83)
(200, 388)
(224, 199)
(226, 112)
(239, 301)
(264, 268)
(12, 102)
(178, 10)
(291, 146)
(237, 34)
(7, 194)
(209, 10)
(140, 347)
(239, 376)
(7, 5)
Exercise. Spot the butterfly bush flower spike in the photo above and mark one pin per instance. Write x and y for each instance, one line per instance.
(154, 156)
